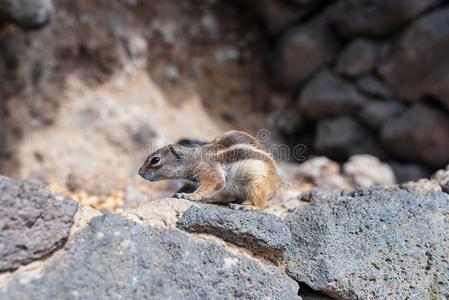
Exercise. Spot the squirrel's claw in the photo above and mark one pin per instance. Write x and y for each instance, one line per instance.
(186, 196)
(240, 207)
(179, 195)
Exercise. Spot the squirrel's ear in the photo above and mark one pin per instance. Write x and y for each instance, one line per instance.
(173, 151)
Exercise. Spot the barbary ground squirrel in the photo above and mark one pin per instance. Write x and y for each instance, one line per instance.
(234, 168)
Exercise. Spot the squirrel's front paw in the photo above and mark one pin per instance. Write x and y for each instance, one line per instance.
(240, 207)
(187, 197)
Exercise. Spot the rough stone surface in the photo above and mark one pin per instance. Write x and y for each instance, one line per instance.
(373, 86)
(263, 234)
(420, 134)
(373, 243)
(32, 222)
(377, 113)
(115, 258)
(419, 64)
(320, 195)
(376, 18)
(329, 95)
(301, 51)
(358, 58)
(342, 137)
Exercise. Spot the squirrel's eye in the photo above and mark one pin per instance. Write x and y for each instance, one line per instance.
(155, 160)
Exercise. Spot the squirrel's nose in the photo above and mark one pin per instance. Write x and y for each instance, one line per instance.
(142, 172)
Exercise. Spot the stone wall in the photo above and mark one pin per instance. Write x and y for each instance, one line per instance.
(364, 76)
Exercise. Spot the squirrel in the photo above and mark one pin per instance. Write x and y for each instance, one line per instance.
(234, 168)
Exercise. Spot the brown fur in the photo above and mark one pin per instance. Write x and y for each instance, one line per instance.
(233, 168)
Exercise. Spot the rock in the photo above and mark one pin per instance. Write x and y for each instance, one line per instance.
(263, 234)
(3, 139)
(120, 259)
(377, 113)
(373, 243)
(442, 177)
(341, 137)
(320, 195)
(33, 223)
(329, 95)
(286, 121)
(420, 134)
(163, 213)
(406, 70)
(373, 86)
(367, 170)
(323, 172)
(28, 14)
(376, 18)
(421, 187)
(301, 51)
(408, 172)
(358, 58)
(276, 15)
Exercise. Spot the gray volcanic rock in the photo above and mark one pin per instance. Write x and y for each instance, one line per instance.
(376, 17)
(442, 177)
(418, 65)
(328, 95)
(263, 234)
(3, 142)
(419, 134)
(115, 258)
(342, 137)
(320, 195)
(32, 222)
(28, 14)
(372, 86)
(302, 51)
(358, 58)
(377, 113)
(275, 14)
(373, 243)
(409, 172)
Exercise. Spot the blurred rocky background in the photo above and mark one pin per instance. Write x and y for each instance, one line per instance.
(353, 100)
(88, 95)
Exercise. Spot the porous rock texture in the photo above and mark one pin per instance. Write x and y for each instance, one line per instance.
(32, 222)
(115, 258)
(374, 243)
(370, 243)
(263, 234)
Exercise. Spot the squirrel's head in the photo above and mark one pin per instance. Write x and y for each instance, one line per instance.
(169, 162)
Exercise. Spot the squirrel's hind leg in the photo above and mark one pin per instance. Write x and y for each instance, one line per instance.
(212, 180)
